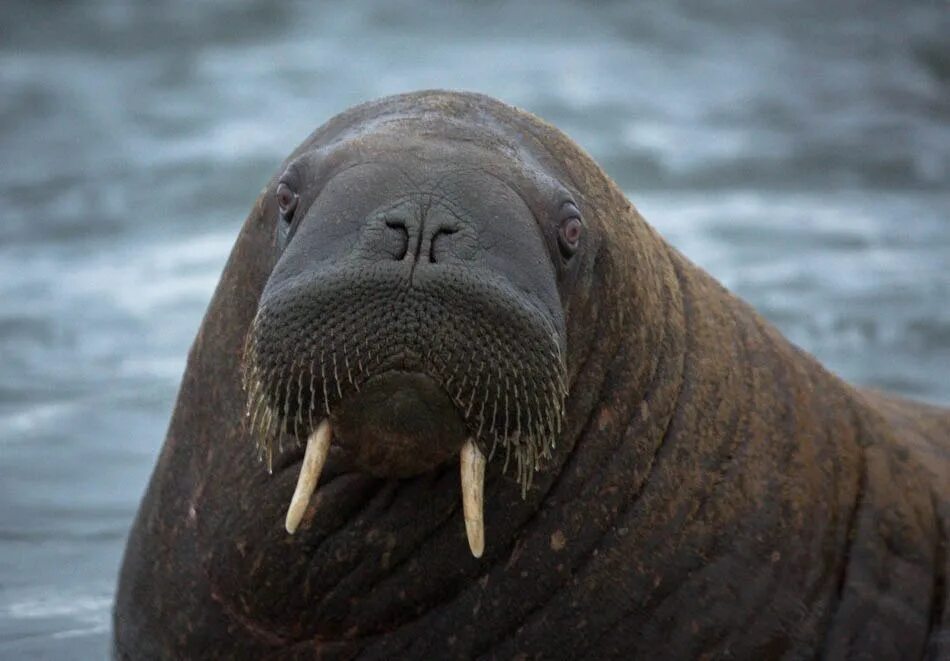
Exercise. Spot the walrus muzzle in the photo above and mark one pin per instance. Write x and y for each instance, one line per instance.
(407, 364)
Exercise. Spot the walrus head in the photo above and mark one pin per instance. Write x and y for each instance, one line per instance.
(413, 313)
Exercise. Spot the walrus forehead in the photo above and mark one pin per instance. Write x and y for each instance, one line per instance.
(462, 162)
(478, 131)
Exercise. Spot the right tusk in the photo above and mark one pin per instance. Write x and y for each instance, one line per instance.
(472, 463)
(318, 446)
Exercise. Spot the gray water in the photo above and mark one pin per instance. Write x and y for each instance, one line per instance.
(799, 153)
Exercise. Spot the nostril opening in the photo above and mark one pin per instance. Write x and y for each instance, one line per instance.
(445, 231)
(400, 226)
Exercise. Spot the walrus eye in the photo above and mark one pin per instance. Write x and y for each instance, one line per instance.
(286, 201)
(569, 236)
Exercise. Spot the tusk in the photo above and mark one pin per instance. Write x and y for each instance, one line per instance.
(318, 445)
(473, 489)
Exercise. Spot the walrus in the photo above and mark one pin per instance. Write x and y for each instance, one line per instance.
(497, 416)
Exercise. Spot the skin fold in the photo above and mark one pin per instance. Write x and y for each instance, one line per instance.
(708, 491)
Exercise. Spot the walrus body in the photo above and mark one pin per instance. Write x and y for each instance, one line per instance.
(707, 490)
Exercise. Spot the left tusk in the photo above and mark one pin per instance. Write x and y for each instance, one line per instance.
(472, 463)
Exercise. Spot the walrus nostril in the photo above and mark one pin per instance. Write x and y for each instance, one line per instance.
(437, 246)
(402, 247)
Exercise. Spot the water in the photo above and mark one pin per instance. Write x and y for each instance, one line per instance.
(800, 154)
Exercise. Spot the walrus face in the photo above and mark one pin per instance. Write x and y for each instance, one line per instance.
(413, 310)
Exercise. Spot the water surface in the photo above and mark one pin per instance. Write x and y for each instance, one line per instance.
(800, 154)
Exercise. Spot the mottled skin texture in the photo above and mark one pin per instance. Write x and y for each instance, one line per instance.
(714, 491)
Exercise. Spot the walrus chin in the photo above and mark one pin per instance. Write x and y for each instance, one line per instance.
(472, 473)
(408, 409)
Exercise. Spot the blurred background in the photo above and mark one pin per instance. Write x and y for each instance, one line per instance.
(799, 152)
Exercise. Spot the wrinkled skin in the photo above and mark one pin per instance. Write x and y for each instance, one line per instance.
(712, 491)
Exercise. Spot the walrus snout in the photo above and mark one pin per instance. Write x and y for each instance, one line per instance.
(399, 424)
(371, 347)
